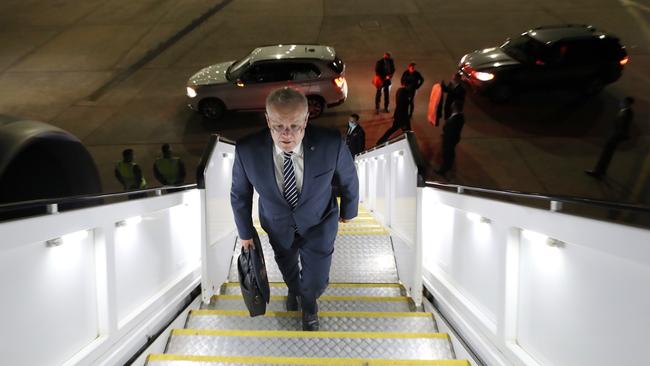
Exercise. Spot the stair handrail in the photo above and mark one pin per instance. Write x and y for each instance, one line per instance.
(541, 196)
(44, 202)
(414, 149)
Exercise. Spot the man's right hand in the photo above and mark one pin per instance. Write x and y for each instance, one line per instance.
(247, 244)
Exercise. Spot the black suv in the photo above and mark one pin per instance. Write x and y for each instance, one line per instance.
(551, 57)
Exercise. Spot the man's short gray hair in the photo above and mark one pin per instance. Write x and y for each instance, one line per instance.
(286, 97)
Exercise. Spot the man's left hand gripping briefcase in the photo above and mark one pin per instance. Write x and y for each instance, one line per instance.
(253, 280)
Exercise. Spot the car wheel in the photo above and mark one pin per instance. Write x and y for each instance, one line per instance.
(501, 93)
(212, 108)
(594, 87)
(315, 106)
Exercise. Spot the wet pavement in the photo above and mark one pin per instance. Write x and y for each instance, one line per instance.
(77, 65)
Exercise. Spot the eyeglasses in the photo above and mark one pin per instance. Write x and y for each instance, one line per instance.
(291, 128)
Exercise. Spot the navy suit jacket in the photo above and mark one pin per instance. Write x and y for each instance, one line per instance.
(316, 215)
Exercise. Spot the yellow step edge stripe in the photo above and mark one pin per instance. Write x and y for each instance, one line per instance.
(327, 298)
(357, 314)
(377, 233)
(334, 285)
(301, 334)
(302, 360)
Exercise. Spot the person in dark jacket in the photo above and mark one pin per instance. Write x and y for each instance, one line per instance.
(451, 137)
(412, 80)
(401, 118)
(356, 136)
(455, 94)
(621, 133)
(384, 70)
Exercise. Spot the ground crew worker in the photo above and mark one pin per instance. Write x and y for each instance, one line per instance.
(129, 173)
(169, 170)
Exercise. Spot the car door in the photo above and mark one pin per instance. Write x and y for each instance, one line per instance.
(259, 80)
(534, 71)
(582, 62)
(305, 77)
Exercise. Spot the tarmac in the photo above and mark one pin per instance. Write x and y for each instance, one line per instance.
(113, 73)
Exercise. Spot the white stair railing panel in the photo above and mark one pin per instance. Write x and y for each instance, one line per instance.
(390, 175)
(218, 229)
(536, 287)
(108, 275)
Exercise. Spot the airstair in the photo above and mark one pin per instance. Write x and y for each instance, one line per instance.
(512, 278)
(365, 317)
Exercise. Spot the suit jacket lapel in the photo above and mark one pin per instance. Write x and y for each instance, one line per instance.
(269, 164)
(308, 150)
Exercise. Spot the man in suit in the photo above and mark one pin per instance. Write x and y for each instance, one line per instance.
(412, 80)
(291, 165)
(621, 133)
(401, 118)
(384, 70)
(451, 137)
(455, 94)
(356, 136)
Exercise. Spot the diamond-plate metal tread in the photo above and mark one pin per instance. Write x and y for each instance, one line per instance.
(408, 346)
(357, 258)
(329, 321)
(334, 289)
(185, 360)
(325, 303)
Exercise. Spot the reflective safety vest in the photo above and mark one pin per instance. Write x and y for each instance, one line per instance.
(127, 173)
(169, 168)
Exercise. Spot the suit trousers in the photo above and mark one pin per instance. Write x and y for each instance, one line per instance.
(448, 155)
(386, 89)
(606, 155)
(310, 279)
(404, 126)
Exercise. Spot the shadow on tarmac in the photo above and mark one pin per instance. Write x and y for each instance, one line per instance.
(551, 113)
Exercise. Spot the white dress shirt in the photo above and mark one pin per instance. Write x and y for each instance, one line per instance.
(298, 160)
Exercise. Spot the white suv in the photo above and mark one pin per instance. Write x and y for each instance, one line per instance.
(243, 85)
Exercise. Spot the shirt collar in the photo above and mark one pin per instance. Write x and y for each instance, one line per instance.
(296, 150)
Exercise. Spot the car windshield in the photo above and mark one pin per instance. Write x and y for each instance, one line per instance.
(235, 70)
(525, 49)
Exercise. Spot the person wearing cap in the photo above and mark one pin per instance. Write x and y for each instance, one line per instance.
(412, 80)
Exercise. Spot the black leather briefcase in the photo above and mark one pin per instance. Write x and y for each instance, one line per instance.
(253, 280)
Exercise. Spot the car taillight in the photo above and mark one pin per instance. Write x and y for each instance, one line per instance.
(339, 81)
(624, 61)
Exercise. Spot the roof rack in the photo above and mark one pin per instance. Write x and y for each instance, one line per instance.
(588, 26)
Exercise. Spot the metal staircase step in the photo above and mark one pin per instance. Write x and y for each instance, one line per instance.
(360, 258)
(268, 343)
(332, 321)
(333, 289)
(325, 303)
(186, 360)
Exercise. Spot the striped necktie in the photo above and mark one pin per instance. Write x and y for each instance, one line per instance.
(290, 189)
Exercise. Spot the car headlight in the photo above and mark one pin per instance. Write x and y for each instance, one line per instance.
(191, 92)
(483, 76)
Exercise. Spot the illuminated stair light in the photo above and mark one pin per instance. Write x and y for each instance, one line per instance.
(130, 221)
(75, 237)
(478, 218)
